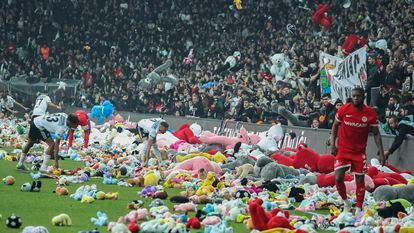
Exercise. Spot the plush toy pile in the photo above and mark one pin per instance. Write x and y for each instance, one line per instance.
(242, 177)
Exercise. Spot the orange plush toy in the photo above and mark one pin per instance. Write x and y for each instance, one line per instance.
(186, 134)
(273, 219)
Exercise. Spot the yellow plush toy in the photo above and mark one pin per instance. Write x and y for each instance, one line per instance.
(112, 196)
(207, 186)
(87, 199)
(61, 220)
(218, 157)
(151, 179)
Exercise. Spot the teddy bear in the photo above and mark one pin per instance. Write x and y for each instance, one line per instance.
(244, 170)
(61, 220)
(321, 16)
(195, 164)
(240, 160)
(185, 133)
(154, 77)
(264, 221)
(387, 193)
(101, 220)
(280, 68)
(232, 63)
(267, 169)
(307, 158)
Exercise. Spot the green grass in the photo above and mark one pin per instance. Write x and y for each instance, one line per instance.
(39, 208)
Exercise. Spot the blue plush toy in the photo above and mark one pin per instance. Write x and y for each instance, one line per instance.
(102, 112)
(108, 179)
(209, 208)
(218, 228)
(102, 219)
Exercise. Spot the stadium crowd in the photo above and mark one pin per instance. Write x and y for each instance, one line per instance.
(107, 44)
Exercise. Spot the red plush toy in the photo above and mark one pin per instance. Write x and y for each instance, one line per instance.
(385, 178)
(307, 158)
(193, 223)
(263, 221)
(133, 227)
(328, 180)
(351, 42)
(186, 134)
(321, 16)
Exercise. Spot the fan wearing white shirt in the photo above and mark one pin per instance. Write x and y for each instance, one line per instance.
(7, 105)
(148, 129)
(42, 103)
(40, 129)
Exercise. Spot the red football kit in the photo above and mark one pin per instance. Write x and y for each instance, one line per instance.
(353, 135)
(86, 126)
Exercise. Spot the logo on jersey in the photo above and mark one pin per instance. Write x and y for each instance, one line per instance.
(355, 124)
(364, 119)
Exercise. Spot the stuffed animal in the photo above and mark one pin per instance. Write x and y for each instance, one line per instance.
(185, 133)
(197, 163)
(101, 220)
(61, 191)
(34, 187)
(186, 207)
(193, 223)
(267, 169)
(244, 170)
(280, 68)
(119, 228)
(321, 16)
(264, 221)
(9, 180)
(387, 193)
(13, 221)
(392, 211)
(153, 78)
(61, 220)
(232, 63)
(87, 199)
(102, 112)
(240, 160)
(32, 229)
(151, 179)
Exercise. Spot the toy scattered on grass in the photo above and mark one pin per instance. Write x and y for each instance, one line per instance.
(62, 220)
(33, 187)
(9, 180)
(13, 221)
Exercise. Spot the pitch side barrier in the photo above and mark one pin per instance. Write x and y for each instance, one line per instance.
(316, 138)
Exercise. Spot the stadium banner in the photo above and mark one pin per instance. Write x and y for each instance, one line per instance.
(347, 74)
(329, 66)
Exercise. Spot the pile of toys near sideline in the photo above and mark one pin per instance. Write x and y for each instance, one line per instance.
(247, 178)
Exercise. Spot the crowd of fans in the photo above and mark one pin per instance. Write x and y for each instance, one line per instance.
(107, 44)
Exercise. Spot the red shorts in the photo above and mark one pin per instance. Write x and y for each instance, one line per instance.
(357, 164)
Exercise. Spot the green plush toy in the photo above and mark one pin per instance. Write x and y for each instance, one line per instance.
(403, 202)
(20, 129)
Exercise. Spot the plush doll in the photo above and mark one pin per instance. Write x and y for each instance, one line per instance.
(154, 77)
(61, 220)
(102, 112)
(207, 186)
(244, 170)
(321, 16)
(193, 223)
(216, 157)
(87, 199)
(240, 160)
(232, 63)
(392, 211)
(151, 179)
(387, 193)
(351, 42)
(267, 169)
(280, 68)
(9, 180)
(61, 191)
(197, 163)
(385, 178)
(185, 133)
(186, 207)
(34, 187)
(133, 227)
(32, 229)
(119, 228)
(101, 220)
(137, 215)
(264, 221)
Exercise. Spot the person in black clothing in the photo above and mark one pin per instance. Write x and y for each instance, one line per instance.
(247, 113)
(326, 109)
(403, 128)
(374, 77)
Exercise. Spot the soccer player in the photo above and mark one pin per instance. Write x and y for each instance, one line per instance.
(148, 129)
(42, 103)
(40, 129)
(353, 122)
(85, 123)
(7, 105)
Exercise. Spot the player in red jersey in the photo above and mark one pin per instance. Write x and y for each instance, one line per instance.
(353, 122)
(86, 126)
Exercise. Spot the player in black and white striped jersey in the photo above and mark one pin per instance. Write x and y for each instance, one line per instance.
(40, 129)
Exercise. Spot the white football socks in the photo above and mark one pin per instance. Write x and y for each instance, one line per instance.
(46, 159)
(22, 157)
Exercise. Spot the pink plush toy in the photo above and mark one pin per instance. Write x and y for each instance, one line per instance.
(186, 207)
(211, 138)
(197, 163)
(136, 215)
(211, 220)
(351, 186)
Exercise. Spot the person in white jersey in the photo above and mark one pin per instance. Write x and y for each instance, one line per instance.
(7, 105)
(42, 103)
(148, 129)
(40, 129)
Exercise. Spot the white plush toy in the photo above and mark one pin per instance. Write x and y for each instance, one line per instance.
(280, 68)
(62, 220)
(270, 139)
(197, 129)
